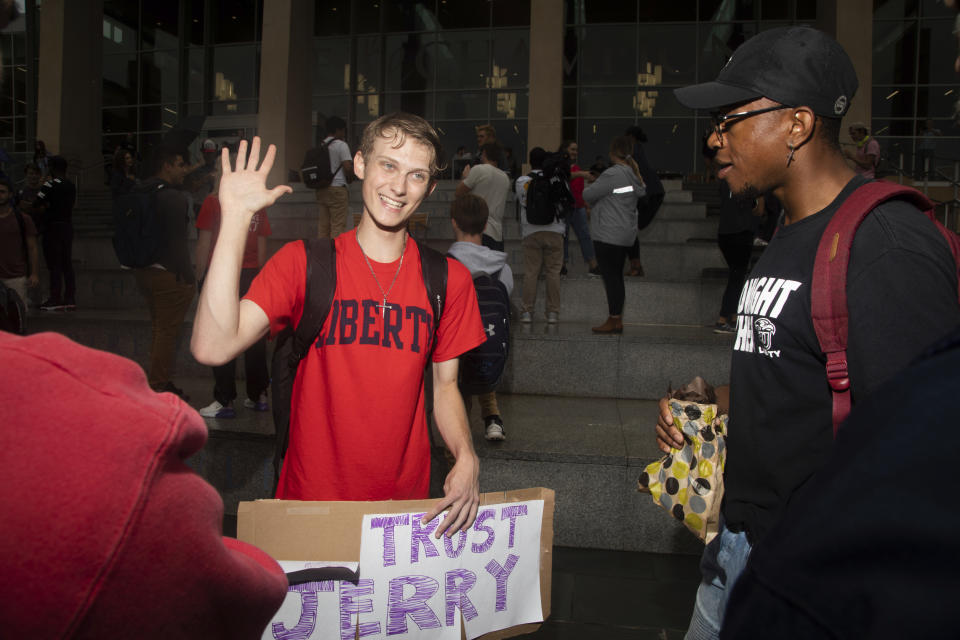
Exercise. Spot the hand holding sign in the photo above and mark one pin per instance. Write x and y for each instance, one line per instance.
(461, 494)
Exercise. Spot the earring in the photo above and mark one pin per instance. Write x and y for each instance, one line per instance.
(790, 156)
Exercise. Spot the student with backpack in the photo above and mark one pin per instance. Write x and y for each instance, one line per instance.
(328, 168)
(358, 428)
(884, 291)
(542, 223)
(482, 368)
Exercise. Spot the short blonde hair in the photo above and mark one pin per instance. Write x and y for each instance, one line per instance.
(396, 127)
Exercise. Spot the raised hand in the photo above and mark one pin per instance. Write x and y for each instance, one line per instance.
(243, 188)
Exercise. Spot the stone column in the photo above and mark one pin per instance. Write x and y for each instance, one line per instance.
(286, 87)
(544, 124)
(70, 80)
(851, 23)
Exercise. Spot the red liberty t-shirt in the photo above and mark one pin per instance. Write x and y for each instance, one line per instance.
(358, 429)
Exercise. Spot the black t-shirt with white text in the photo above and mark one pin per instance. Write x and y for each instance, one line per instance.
(901, 297)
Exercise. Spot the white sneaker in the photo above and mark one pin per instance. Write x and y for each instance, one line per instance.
(526, 317)
(553, 317)
(495, 428)
(217, 410)
(260, 405)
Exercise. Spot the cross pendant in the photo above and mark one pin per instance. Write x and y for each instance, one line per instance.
(384, 306)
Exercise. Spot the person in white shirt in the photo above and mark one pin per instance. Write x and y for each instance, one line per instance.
(490, 183)
(332, 201)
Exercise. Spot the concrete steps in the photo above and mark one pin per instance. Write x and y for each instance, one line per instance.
(566, 359)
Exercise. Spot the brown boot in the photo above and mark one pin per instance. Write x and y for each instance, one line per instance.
(614, 324)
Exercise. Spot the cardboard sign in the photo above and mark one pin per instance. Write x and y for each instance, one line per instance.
(492, 581)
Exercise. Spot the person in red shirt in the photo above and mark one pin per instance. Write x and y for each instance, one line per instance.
(578, 219)
(358, 427)
(254, 358)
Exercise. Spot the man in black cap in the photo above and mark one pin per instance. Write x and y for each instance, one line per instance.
(776, 108)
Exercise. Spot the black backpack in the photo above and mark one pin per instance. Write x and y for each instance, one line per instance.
(316, 171)
(292, 343)
(549, 198)
(482, 367)
(138, 235)
(13, 313)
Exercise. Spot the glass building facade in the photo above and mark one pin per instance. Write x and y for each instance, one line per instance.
(461, 64)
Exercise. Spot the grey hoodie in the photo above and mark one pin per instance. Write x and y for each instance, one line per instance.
(480, 259)
(613, 200)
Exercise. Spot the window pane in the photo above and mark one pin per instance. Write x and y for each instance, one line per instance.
(673, 11)
(6, 100)
(19, 81)
(234, 74)
(806, 9)
(195, 60)
(894, 52)
(598, 102)
(511, 55)
(159, 77)
(774, 10)
(326, 106)
(937, 103)
(462, 105)
(235, 21)
(607, 55)
(510, 105)
(332, 57)
(667, 55)
(511, 13)
(458, 14)
(607, 11)
(368, 108)
(938, 49)
(118, 36)
(233, 108)
(569, 102)
(463, 60)
(368, 64)
(366, 15)
(723, 10)
(119, 80)
(119, 120)
(894, 9)
(420, 103)
(160, 22)
(410, 61)
(332, 18)
(409, 15)
(937, 9)
(892, 102)
(195, 25)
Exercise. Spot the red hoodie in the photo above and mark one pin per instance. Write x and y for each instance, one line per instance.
(104, 531)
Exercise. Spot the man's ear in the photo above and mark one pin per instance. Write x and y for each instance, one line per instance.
(802, 126)
(358, 165)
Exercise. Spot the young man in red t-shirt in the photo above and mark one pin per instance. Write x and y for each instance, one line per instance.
(358, 427)
(254, 358)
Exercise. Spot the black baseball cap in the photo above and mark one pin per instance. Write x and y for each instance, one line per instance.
(795, 66)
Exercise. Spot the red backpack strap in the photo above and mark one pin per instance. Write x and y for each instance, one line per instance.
(828, 294)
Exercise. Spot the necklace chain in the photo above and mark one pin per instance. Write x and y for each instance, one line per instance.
(396, 275)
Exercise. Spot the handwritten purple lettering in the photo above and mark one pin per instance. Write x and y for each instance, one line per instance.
(448, 545)
(388, 523)
(422, 536)
(415, 606)
(512, 512)
(500, 574)
(479, 526)
(352, 603)
(459, 583)
(308, 611)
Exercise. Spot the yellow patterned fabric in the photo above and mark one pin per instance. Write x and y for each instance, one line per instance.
(688, 482)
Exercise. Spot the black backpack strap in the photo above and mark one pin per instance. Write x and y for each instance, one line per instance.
(318, 297)
(433, 266)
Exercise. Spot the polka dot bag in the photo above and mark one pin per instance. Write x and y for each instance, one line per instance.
(688, 482)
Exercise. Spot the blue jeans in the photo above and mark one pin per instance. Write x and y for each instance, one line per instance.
(721, 565)
(578, 220)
